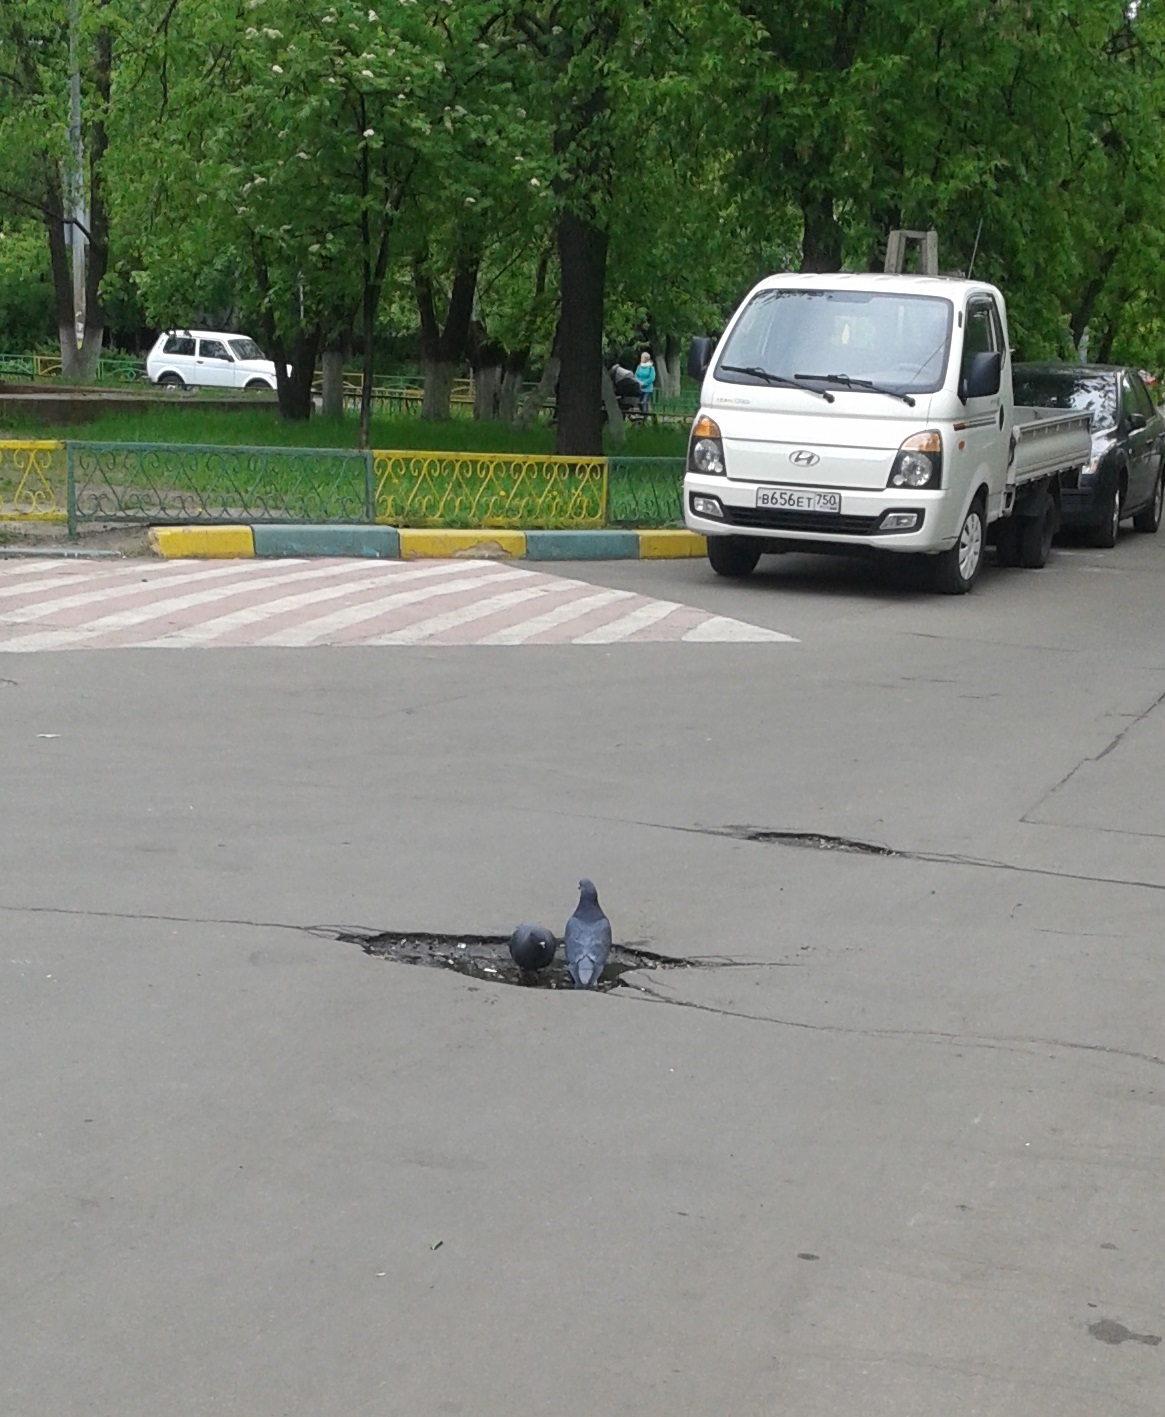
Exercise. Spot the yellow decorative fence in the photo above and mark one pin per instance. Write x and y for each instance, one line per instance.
(488, 490)
(33, 481)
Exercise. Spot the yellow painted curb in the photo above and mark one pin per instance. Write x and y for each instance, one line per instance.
(658, 545)
(472, 545)
(218, 541)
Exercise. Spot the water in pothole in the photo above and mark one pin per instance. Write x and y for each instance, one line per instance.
(488, 957)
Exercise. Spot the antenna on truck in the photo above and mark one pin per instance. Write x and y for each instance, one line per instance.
(975, 248)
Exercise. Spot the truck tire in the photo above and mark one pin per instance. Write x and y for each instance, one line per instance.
(734, 556)
(1109, 529)
(1007, 539)
(955, 572)
(1149, 518)
(1035, 537)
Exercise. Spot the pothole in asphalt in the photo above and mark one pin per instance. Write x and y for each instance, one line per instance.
(487, 957)
(818, 841)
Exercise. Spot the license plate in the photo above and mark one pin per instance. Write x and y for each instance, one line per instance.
(798, 499)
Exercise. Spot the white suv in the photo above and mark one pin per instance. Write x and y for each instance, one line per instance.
(208, 357)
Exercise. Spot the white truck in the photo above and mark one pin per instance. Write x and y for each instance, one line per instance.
(873, 413)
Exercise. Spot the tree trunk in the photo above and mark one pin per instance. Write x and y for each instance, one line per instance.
(487, 390)
(437, 376)
(511, 390)
(443, 349)
(536, 398)
(333, 385)
(821, 236)
(615, 424)
(293, 386)
(666, 354)
(582, 258)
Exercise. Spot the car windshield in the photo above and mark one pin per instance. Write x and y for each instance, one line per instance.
(846, 337)
(1076, 389)
(246, 349)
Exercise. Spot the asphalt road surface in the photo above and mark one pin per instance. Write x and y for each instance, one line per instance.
(892, 1147)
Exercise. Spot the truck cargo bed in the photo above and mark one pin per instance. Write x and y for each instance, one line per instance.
(1047, 440)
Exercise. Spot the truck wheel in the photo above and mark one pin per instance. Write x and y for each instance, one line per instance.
(733, 555)
(956, 571)
(1007, 538)
(170, 380)
(1109, 529)
(1035, 537)
(1149, 518)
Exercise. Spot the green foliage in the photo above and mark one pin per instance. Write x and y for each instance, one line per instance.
(279, 165)
(27, 319)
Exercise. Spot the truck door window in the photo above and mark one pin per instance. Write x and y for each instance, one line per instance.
(214, 349)
(983, 333)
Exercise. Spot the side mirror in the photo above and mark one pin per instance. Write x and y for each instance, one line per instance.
(982, 378)
(699, 356)
(1137, 420)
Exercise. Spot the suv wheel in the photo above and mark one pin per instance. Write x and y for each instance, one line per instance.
(170, 380)
(1149, 518)
(1109, 529)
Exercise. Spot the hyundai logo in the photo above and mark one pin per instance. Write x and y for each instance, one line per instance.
(803, 457)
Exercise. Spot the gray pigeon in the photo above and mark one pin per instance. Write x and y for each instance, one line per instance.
(532, 948)
(587, 938)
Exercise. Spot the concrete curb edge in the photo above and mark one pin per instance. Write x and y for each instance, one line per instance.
(391, 543)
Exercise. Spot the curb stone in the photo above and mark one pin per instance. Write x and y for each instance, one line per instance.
(408, 543)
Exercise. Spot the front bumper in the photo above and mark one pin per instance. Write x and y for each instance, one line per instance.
(866, 519)
(1085, 506)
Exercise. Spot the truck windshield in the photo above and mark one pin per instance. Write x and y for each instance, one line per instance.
(879, 338)
(1084, 391)
(246, 349)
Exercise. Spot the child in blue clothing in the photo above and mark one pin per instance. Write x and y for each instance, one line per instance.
(645, 374)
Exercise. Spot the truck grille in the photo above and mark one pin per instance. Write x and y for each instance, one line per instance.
(778, 519)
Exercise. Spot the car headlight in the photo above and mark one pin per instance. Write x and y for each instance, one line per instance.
(705, 448)
(919, 462)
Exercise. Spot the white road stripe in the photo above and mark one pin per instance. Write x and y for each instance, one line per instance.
(464, 615)
(156, 610)
(29, 613)
(315, 629)
(296, 635)
(252, 614)
(550, 619)
(638, 619)
(718, 629)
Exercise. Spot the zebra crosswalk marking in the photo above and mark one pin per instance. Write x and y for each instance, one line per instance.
(303, 602)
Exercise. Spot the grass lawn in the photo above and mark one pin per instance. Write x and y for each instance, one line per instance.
(263, 428)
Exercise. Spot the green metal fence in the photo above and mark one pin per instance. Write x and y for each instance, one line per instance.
(90, 482)
(645, 491)
(154, 483)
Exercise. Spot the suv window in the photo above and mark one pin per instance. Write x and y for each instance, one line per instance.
(213, 349)
(984, 333)
(1142, 403)
(178, 344)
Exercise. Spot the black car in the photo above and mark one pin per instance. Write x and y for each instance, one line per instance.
(1126, 477)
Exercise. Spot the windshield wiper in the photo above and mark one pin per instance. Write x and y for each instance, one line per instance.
(850, 383)
(758, 373)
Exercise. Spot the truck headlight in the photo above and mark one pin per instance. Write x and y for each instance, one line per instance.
(919, 462)
(705, 448)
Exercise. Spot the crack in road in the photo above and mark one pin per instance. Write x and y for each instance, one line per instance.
(640, 958)
(1029, 816)
(1012, 1043)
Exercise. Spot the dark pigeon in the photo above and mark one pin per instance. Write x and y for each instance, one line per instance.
(532, 948)
(587, 938)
